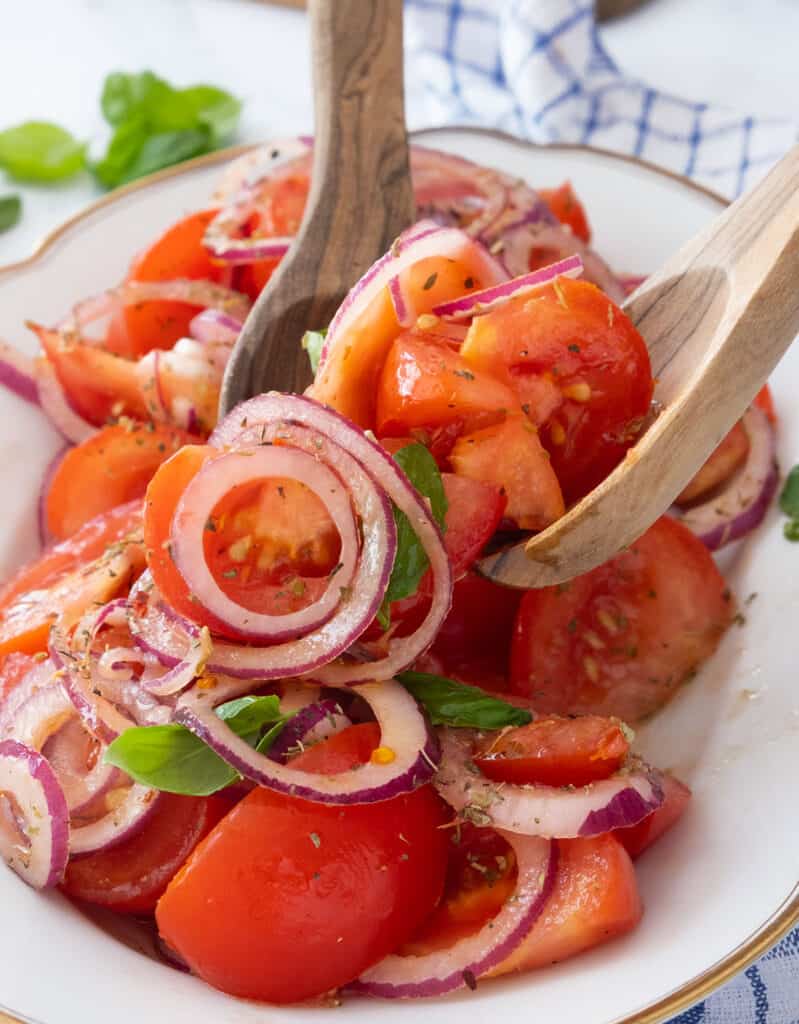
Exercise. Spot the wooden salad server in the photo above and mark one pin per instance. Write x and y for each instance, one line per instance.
(716, 320)
(360, 200)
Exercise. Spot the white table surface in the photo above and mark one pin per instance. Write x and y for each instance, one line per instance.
(55, 54)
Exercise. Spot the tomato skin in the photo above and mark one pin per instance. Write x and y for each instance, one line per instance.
(595, 899)
(765, 401)
(563, 202)
(638, 838)
(721, 464)
(178, 253)
(555, 752)
(620, 639)
(568, 346)
(109, 469)
(58, 583)
(340, 752)
(282, 881)
(131, 876)
(510, 455)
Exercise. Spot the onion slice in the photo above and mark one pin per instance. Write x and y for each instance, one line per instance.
(56, 407)
(459, 965)
(34, 838)
(243, 426)
(623, 799)
(746, 497)
(312, 723)
(403, 731)
(489, 298)
(126, 811)
(16, 373)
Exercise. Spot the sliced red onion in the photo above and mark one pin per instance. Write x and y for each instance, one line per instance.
(214, 327)
(398, 301)
(308, 726)
(126, 811)
(423, 240)
(193, 292)
(16, 373)
(489, 298)
(745, 499)
(204, 492)
(34, 837)
(40, 675)
(45, 537)
(403, 731)
(244, 424)
(623, 799)
(56, 406)
(459, 965)
(630, 282)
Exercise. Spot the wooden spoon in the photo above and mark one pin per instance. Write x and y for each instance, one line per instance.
(716, 319)
(360, 200)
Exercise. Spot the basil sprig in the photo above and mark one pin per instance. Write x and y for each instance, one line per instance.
(448, 702)
(10, 211)
(171, 758)
(789, 504)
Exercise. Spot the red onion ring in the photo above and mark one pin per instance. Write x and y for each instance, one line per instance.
(56, 406)
(126, 812)
(624, 799)
(487, 299)
(244, 423)
(305, 726)
(32, 799)
(16, 373)
(746, 496)
(403, 730)
(203, 493)
(215, 328)
(445, 970)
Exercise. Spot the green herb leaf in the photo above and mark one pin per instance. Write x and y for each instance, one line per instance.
(789, 496)
(411, 562)
(313, 343)
(173, 759)
(40, 151)
(10, 211)
(791, 530)
(156, 125)
(449, 702)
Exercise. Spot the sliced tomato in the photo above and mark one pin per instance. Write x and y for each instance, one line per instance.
(637, 838)
(765, 401)
(348, 379)
(595, 899)
(178, 253)
(110, 468)
(132, 876)
(555, 752)
(723, 462)
(510, 455)
(13, 669)
(424, 384)
(347, 884)
(89, 567)
(578, 365)
(473, 644)
(563, 202)
(98, 385)
(620, 639)
(341, 752)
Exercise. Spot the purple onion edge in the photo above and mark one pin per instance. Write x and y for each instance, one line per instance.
(626, 808)
(299, 726)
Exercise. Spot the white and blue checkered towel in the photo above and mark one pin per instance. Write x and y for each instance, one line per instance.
(537, 68)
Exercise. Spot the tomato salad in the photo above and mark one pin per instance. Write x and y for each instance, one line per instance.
(255, 689)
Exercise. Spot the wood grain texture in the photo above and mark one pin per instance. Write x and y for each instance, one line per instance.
(605, 9)
(360, 199)
(716, 319)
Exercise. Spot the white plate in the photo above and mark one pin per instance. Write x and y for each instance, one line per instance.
(718, 890)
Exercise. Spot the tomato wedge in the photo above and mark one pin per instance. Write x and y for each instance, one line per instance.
(563, 202)
(555, 752)
(721, 464)
(131, 876)
(110, 468)
(282, 881)
(638, 838)
(622, 638)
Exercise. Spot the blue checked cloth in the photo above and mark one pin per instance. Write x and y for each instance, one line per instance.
(537, 68)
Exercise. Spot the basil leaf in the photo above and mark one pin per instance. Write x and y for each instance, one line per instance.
(125, 95)
(313, 343)
(10, 211)
(40, 151)
(411, 562)
(164, 150)
(171, 758)
(449, 702)
(123, 149)
(789, 496)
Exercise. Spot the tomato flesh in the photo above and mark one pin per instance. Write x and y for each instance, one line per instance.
(620, 639)
(109, 469)
(282, 881)
(563, 202)
(721, 465)
(555, 752)
(638, 838)
(132, 875)
(13, 669)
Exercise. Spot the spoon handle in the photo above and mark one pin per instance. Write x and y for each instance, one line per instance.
(716, 318)
(360, 199)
